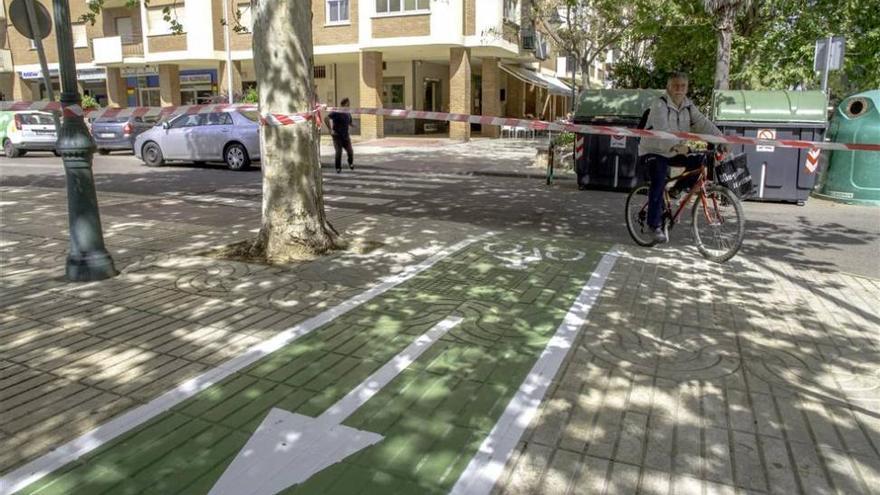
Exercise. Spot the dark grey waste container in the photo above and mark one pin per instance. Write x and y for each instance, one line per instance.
(609, 163)
(778, 173)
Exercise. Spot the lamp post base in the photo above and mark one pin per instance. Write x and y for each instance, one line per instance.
(90, 267)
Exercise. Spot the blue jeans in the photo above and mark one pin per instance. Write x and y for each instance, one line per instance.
(658, 172)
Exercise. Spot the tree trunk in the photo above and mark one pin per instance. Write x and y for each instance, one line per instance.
(722, 57)
(722, 60)
(294, 223)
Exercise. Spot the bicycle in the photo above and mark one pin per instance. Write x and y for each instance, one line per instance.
(717, 216)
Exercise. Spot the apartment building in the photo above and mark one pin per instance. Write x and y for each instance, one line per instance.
(464, 56)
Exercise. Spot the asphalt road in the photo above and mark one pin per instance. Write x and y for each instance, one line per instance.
(821, 234)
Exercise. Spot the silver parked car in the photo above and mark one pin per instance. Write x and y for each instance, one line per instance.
(231, 137)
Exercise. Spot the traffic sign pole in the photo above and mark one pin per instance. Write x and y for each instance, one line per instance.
(41, 54)
(827, 66)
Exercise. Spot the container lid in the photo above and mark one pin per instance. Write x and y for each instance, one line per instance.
(769, 106)
(615, 102)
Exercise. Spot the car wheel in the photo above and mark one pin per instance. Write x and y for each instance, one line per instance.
(152, 155)
(10, 150)
(236, 157)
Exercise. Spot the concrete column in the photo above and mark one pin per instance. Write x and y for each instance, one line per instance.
(516, 98)
(460, 91)
(372, 126)
(169, 85)
(21, 89)
(491, 103)
(116, 88)
(236, 78)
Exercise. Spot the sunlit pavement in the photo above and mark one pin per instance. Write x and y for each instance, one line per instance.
(757, 376)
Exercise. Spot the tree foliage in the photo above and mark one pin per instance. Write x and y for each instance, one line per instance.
(772, 45)
(587, 29)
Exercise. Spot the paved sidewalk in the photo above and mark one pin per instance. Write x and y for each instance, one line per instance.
(757, 376)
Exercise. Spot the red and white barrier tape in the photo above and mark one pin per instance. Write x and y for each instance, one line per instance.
(608, 130)
(540, 125)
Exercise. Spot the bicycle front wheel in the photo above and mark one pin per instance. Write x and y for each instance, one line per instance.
(637, 216)
(719, 224)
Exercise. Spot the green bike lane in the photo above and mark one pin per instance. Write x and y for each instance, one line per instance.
(511, 294)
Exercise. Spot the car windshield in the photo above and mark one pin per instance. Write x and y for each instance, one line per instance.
(251, 115)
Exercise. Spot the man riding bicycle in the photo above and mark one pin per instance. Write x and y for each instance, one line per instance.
(673, 112)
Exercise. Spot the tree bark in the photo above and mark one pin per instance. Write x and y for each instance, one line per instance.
(722, 59)
(294, 224)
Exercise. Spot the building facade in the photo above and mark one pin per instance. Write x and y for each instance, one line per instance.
(463, 56)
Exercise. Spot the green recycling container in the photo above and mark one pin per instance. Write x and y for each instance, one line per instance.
(854, 176)
(608, 163)
(778, 173)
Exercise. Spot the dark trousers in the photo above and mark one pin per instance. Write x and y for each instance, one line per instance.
(658, 172)
(340, 143)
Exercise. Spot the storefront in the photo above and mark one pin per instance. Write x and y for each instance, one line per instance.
(92, 82)
(197, 86)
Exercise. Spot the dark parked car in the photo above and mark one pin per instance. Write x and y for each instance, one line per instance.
(118, 133)
(232, 137)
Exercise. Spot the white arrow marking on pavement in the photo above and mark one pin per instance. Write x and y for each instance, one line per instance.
(287, 448)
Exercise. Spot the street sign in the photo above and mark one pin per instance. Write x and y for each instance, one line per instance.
(618, 141)
(834, 59)
(19, 17)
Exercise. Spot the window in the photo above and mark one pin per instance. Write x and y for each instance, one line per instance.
(246, 16)
(320, 71)
(337, 12)
(219, 118)
(80, 38)
(401, 6)
(193, 120)
(156, 23)
(511, 11)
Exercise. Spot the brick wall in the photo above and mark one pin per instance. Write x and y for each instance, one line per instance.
(334, 35)
(167, 43)
(395, 27)
(23, 54)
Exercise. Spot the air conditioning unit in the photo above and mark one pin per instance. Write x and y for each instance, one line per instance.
(528, 40)
(542, 52)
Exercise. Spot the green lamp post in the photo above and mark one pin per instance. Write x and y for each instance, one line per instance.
(87, 258)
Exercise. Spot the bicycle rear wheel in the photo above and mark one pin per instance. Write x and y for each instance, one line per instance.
(720, 226)
(637, 216)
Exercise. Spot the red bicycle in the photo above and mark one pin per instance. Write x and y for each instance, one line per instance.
(717, 216)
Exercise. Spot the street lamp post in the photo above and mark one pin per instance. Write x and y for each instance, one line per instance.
(87, 258)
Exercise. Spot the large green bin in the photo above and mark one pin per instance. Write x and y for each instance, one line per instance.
(607, 163)
(854, 176)
(778, 173)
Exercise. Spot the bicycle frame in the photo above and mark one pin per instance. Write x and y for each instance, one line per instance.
(698, 188)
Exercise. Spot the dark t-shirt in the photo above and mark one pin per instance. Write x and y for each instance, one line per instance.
(341, 122)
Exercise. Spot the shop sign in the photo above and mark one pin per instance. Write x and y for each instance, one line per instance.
(96, 74)
(196, 79)
(146, 70)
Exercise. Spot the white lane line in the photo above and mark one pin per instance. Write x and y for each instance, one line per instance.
(76, 448)
(481, 474)
(288, 448)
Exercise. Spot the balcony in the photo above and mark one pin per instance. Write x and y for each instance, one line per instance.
(117, 49)
(6, 61)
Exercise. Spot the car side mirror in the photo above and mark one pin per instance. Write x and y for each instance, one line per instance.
(166, 125)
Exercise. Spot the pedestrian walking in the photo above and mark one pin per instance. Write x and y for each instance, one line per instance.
(339, 124)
